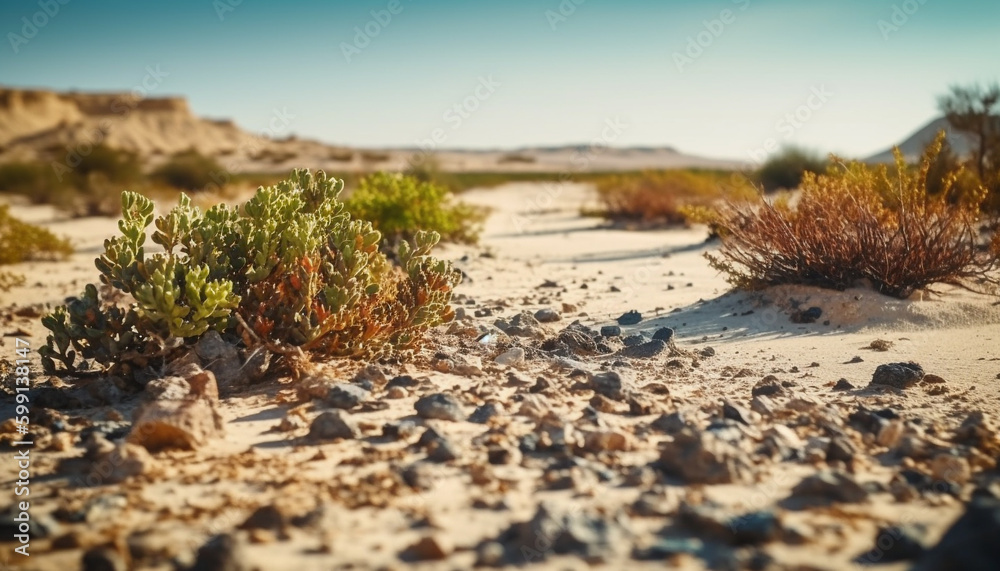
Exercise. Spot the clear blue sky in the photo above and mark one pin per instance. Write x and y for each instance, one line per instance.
(559, 79)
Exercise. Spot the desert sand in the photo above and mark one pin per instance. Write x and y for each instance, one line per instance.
(612, 459)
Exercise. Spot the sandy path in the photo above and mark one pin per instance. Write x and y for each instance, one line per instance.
(535, 235)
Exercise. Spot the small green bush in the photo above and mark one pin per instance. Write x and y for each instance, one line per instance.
(191, 171)
(399, 206)
(785, 169)
(290, 268)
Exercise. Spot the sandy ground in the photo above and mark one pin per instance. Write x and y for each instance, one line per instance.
(538, 252)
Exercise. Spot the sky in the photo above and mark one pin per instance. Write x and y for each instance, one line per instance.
(722, 78)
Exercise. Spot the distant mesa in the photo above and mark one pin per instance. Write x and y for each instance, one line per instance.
(38, 124)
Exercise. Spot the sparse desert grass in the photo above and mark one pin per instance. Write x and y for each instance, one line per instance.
(785, 169)
(854, 224)
(516, 158)
(399, 206)
(190, 171)
(374, 157)
(665, 197)
(87, 185)
(23, 242)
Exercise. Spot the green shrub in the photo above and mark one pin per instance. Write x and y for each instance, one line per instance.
(191, 171)
(854, 224)
(291, 268)
(399, 206)
(786, 168)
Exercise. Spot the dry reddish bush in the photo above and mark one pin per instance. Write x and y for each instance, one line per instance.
(665, 197)
(858, 223)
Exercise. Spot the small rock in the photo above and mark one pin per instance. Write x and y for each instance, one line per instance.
(671, 423)
(893, 544)
(646, 350)
(970, 543)
(632, 317)
(733, 411)
(510, 357)
(103, 559)
(611, 331)
(345, 396)
(707, 352)
(829, 486)
(335, 424)
(441, 406)
(607, 441)
(123, 461)
(484, 413)
(222, 553)
(664, 334)
(183, 424)
(933, 379)
(442, 450)
(702, 458)
(610, 384)
(843, 385)
(399, 429)
(807, 316)
(950, 468)
(396, 393)
(428, 548)
(768, 387)
(370, 373)
(547, 315)
(898, 375)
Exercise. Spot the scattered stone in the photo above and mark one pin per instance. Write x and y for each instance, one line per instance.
(335, 424)
(441, 450)
(632, 317)
(841, 449)
(646, 350)
(222, 553)
(403, 381)
(607, 441)
(428, 548)
(763, 406)
(703, 458)
(970, 543)
(345, 396)
(895, 543)
(898, 375)
(577, 341)
(484, 413)
(854, 359)
(610, 384)
(399, 429)
(547, 315)
(370, 373)
(829, 486)
(119, 463)
(950, 468)
(523, 324)
(733, 411)
(535, 407)
(441, 406)
(768, 387)
(611, 331)
(103, 559)
(396, 393)
(671, 423)
(183, 424)
(633, 340)
(594, 538)
(843, 385)
(222, 358)
(664, 334)
(510, 357)
(933, 379)
(807, 316)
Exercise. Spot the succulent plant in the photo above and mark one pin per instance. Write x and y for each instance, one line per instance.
(291, 265)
